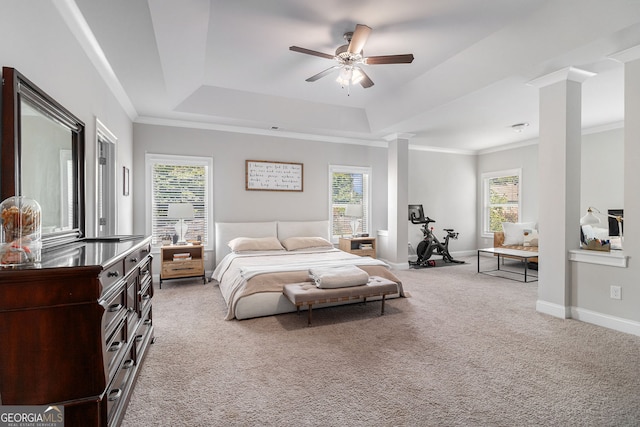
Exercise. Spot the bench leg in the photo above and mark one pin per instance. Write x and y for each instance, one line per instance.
(382, 310)
(309, 318)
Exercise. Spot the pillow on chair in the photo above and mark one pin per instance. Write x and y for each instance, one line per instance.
(514, 232)
(530, 237)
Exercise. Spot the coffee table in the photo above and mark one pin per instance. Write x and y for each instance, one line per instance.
(524, 256)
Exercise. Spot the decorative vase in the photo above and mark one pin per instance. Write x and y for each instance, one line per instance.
(21, 233)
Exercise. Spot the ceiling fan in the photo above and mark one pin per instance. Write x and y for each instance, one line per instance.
(350, 58)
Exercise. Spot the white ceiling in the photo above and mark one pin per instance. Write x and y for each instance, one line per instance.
(227, 64)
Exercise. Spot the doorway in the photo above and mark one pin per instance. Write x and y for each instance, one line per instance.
(106, 223)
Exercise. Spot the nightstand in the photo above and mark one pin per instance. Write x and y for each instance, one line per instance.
(181, 261)
(363, 246)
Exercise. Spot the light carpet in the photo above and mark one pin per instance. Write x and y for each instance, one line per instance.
(465, 349)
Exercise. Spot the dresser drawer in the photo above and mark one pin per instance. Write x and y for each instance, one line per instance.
(115, 309)
(145, 269)
(132, 260)
(143, 332)
(144, 296)
(116, 345)
(119, 387)
(111, 275)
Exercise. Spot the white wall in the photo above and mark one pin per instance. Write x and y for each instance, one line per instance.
(445, 185)
(231, 202)
(524, 158)
(602, 183)
(602, 186)
(35, 40)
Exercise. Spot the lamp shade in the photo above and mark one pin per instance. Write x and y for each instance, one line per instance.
(589, 218)
(353, 211)
(180, 211)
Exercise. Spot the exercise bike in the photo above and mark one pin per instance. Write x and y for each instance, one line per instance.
(430, 244)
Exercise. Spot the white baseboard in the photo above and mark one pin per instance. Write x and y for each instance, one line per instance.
(605, 320)
(554, 310)
(397, 265)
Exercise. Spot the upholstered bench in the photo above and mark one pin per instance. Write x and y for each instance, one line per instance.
(307, 293)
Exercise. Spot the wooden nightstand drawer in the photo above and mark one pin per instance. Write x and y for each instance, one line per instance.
(181, 268)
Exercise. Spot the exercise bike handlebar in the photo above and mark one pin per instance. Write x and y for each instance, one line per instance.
(425, 220)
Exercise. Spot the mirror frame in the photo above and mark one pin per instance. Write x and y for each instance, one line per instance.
(15, 88)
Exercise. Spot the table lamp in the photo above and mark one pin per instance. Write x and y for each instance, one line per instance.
(181, 211)
(355, 212)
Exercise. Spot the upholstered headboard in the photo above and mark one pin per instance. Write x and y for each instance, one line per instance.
(226, 231)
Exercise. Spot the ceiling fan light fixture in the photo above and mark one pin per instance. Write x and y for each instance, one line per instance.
(349, 75)
(356, 76)
(344, 76)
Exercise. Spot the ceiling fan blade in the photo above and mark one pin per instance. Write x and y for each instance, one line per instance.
(359, 38)
(366, 81)
(322, 73)
(389, 59)
(311, 52)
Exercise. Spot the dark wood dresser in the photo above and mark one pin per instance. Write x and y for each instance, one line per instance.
(75, 329)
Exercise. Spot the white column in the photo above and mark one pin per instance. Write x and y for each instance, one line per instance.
(398, 196)
(631, 60)
(559, 186)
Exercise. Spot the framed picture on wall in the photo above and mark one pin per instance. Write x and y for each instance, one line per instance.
(262, 175)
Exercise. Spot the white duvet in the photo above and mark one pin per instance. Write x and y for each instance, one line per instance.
(243, 274)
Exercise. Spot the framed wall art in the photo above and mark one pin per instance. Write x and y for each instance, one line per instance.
(263, 175)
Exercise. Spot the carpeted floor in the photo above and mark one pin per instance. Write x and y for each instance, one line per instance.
(465, 349)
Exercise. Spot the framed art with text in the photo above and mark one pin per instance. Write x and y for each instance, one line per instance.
(265, 175)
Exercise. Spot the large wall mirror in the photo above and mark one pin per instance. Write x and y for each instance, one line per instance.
(43, 157)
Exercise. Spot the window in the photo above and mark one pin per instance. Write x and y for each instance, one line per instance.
(179, 179)
(501, 199)
(349, 185)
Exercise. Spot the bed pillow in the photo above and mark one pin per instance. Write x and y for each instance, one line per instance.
(514, 232)
(295, 243)
(242, 244)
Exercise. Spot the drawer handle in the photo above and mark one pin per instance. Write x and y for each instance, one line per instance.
(114, 308)
(147, 322)
(113, 274)
(134, 259)
(139, 338)
(114, 394)
(115, 346)
(130, 310)
(128, 364)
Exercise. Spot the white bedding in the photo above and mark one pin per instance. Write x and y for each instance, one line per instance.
(273, 269)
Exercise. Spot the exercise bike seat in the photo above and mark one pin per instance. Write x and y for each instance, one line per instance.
(448, 230)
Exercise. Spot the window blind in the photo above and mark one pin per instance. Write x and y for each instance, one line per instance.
(349, 186)
(179, 183)
(502, 200)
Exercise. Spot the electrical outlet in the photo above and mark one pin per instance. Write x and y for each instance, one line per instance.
(615, 292)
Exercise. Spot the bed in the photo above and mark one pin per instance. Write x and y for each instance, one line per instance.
(269, 255)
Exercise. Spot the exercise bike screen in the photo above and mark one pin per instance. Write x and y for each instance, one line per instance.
(417, 211)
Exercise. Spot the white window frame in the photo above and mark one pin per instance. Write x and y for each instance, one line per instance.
(207, 162)
(366, 196)
(486, 202)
